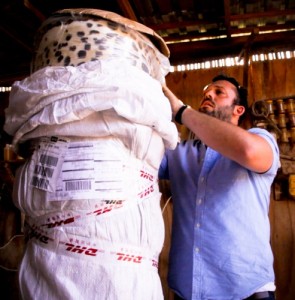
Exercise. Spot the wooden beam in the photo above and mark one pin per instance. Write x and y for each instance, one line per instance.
(34, 10)
(236, 31)
(182, 53)
(226, 4)
(165, 7)
(16, 39)
(227, 18)
(141, 9)
(248, 44)
(127, 9)
(266, 14)
(246, 67)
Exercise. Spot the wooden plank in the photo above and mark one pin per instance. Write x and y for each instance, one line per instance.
(282, 216)
(186, 5)
(226, 4)
(164, 7)
(127, 9)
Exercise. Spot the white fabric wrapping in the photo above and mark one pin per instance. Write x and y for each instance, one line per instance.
(63, 95)
(121, 234)
(81, 247)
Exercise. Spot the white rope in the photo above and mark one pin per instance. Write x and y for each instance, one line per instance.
(166, 203)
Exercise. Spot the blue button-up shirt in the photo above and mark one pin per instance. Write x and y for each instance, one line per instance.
(220, 246)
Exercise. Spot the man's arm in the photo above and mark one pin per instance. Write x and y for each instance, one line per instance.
(248, 149)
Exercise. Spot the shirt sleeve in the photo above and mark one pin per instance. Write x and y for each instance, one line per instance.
(274, 145)
(163, 170)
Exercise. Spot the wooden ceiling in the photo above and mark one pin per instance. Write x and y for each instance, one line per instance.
(195, 30)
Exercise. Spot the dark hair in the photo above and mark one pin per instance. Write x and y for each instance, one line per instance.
(242, 93)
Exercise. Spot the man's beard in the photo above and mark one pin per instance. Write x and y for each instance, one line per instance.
(222, 113)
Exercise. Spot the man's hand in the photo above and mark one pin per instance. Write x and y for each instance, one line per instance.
(175, 103)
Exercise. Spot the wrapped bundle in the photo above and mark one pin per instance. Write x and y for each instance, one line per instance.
(97, 124)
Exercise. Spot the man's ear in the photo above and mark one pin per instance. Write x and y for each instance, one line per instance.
(239, 110)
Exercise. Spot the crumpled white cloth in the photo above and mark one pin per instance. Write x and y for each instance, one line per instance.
(64, 95)
(126, 110)
(59, 268)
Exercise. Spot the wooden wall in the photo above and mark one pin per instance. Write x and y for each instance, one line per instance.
(266, 80)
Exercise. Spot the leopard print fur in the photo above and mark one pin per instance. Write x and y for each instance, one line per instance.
(68, 39)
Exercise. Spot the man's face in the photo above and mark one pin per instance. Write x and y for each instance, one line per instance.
(218, 100)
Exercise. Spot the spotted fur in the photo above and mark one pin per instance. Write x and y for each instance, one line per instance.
(71, 40)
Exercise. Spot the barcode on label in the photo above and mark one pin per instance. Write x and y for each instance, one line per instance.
(48, 160)
(43, 171)
(40, 183)
(78, 185)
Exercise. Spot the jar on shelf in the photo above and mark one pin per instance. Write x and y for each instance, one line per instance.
(269, 105)
(290, 105)
(281, 120)
(280, 106)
